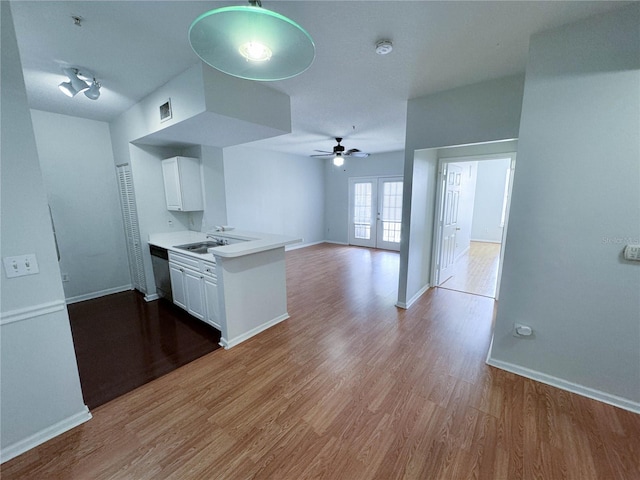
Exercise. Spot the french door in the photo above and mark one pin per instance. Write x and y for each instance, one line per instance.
(375, 212)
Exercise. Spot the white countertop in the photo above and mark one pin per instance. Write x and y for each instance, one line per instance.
(254, 242)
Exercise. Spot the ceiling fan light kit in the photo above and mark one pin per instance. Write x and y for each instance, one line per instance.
(252, 42)
(339, 153)
(78, 83)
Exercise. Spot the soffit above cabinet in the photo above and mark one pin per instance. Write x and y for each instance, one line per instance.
(210, 108)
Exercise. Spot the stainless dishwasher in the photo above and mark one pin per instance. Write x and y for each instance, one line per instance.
(160, 262)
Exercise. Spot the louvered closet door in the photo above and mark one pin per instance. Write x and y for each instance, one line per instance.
(130, 217)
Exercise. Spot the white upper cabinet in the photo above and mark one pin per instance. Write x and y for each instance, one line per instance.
(182, 184)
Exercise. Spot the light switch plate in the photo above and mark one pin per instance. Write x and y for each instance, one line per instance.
(21, 265)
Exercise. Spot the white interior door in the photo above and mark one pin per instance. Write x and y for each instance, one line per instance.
(451, 181)
(375, 212)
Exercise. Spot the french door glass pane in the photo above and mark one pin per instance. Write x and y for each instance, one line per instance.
(391, 211)
(362, 210)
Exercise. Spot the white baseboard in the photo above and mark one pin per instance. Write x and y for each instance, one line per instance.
(151, 297)
(485, 241)
(101, 293)
(18, 448)
(301, 245)
(336, 243)
(31, 312)
(413, 299)
(227, 344)
(565, 385)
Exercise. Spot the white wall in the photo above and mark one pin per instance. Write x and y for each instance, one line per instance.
(479, 113)
(79, 177)
(274, 193)
(39, 384)
(337, 187)
(576, 202)
(489, 198)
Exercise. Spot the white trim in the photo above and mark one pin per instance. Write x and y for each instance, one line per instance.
(412, 300)
(151, 297)
(38, 438)
(31, 312)
(346, 244)
(101, 293)
(485, 241)
(565, 385)
(227, 344)
(301, 245)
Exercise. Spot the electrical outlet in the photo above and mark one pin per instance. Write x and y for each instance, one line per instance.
(21, 265)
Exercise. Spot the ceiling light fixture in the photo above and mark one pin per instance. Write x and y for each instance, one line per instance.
(338, 160)
(78, 83)
(252, 42)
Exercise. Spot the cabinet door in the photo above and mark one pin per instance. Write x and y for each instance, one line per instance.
(211, 297)
(177, 285)
(172, 191)
(194, 286)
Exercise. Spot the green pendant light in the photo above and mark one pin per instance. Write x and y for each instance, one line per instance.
(252, 42)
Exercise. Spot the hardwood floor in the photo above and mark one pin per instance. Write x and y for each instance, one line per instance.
(476, 271)
(122, 342)
(349, 387)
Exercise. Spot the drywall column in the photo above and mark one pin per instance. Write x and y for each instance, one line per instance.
(480, 113)
(576, 202)
(40, 387)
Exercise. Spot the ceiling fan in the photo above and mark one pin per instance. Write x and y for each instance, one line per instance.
(339, 153)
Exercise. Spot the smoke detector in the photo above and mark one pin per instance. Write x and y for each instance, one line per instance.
(384, 47)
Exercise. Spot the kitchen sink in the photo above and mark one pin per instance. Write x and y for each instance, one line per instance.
(199, 247)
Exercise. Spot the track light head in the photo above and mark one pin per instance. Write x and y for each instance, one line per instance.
(94, 90)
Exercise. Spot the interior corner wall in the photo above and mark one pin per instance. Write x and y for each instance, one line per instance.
(39, 384)
(576, 203)
(337, 187)
(489, 199)
(479, 113)
(274, 193)
(79, 176)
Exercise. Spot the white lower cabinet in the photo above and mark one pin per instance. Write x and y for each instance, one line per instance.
(212, 301)
(195, 287)
(178, 288)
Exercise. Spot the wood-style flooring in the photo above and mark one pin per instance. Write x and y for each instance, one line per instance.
(122, 342)
(476, 271)
(350, 387)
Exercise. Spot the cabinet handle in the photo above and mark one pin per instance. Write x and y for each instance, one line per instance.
(182, 270)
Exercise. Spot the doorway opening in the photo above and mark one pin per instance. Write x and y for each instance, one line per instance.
(471, 223)
(375, 212)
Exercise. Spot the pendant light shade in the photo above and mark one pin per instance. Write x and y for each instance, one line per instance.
(252, 42)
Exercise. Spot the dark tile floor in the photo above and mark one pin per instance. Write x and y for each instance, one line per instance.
(123, 342)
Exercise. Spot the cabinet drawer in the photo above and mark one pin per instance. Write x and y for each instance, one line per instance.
(209, 269)
(184, 260)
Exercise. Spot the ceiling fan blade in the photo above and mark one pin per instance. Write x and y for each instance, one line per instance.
(322, 155)
(354, 152)
(323, 151)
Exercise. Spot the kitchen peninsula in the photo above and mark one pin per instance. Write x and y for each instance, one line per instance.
(233, 280)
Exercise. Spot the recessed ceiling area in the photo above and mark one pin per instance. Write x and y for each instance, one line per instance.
(134, 47)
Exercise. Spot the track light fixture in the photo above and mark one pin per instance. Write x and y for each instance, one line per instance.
(78, 83)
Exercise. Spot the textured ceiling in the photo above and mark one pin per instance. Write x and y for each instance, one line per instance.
(134, 47)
